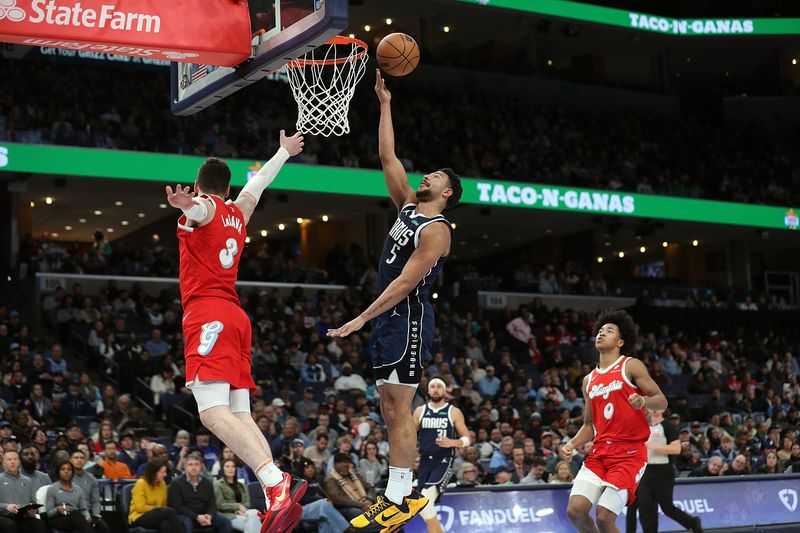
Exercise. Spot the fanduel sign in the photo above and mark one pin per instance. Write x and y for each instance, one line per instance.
(769, 501)
(555, 198)
(174, 30)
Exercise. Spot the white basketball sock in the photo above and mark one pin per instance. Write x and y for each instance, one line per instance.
(399, 480)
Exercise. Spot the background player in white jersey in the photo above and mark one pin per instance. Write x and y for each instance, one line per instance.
(412, 256)
(441, 429)
(217, 332)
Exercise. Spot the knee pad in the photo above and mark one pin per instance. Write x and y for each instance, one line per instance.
(240, 401)
(428, 512)
(210, 394)
(613, 499)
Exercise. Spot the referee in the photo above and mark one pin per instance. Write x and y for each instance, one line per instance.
(658, 481)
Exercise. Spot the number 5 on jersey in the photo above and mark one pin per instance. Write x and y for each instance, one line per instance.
(208, 336)
(393, 252)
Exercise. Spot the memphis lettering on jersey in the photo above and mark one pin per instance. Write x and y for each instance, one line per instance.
(401, 233)
(435, 423)
(230, 221)
(605, 390)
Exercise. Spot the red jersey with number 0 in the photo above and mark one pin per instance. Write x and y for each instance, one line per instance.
(210, 254)
(614, 419)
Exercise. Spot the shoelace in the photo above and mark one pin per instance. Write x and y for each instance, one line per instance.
(378, 507)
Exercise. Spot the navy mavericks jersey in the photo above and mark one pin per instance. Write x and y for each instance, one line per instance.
(435, 423)
(401, 242)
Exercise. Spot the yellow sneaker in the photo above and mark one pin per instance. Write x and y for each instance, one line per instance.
(385, 516)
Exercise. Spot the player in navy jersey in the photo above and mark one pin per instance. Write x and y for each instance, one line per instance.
(441, 429)
(415, 249)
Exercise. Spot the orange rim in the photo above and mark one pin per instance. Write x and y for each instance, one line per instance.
(338, 40)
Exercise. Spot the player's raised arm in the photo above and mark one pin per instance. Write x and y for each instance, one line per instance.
(586, 432)
(251, 193)
(653, 397)
(434, 243)
(393, 171)
(198, 211)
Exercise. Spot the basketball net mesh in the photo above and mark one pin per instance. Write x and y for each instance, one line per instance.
(323, 82)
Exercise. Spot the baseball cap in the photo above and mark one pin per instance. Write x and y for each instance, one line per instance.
(375, 417)
(695, 424)
(685, 430)
(536, 414)
(309, 389)
(547, 433)
(5, 424)
(504, 468)
(674, 416)
(128, 434)
(298, 442)
(14, 346)
(277, 402)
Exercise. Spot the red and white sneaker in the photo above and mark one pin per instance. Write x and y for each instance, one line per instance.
(282, 499)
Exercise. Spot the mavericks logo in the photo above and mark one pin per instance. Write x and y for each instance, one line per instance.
(600, 202)
(788, 499)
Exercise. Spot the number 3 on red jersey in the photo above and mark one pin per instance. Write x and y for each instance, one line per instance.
(227, 255)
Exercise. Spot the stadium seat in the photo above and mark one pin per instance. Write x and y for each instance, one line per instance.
(125, 505)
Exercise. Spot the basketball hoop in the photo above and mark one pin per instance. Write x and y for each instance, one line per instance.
(323, 82)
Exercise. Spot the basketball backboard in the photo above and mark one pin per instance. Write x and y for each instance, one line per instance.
(282, 30)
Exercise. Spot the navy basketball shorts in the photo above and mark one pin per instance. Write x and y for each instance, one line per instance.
(435, 471)
(400, 339)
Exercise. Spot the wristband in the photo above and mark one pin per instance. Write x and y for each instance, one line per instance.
(464, 441)
(198, 211)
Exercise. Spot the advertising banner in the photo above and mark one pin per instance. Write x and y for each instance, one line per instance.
(719, 504)
(144, 166)
(213, 32)
(641, 21)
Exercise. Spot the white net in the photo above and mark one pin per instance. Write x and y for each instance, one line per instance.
(323, 82)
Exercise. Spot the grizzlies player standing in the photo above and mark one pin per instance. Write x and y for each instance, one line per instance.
(441, 430)
(415, 249)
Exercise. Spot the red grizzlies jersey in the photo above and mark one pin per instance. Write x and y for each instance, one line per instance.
(209, 255)
(614, 419)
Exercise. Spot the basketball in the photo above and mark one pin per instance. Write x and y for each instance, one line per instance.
(398, 54)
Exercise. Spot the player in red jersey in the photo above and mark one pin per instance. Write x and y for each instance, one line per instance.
(217, 332)
(616, 394)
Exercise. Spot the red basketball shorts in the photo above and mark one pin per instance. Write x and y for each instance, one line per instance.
(217, 337)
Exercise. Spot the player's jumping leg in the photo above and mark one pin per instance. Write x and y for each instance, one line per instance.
(400, 503)
(578, 512)
(216, 414)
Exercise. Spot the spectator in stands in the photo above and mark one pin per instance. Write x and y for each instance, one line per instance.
(192, 497)
(30, 467)
(156, 346)
(503, 456)
(349, 381)
(504, 476)
(537, 474)
(136, 422)
(772, 464)
(739, 466)
(291, 430)
(319, 453)
(66, 506)
(157, 452)
(562, 473)
(312, 371)
(56, 417)
(75, 404)
(112, 467)
(149, 502)
(57, 361)
(163, 383)
(372, 466)
(793, 463)
(16, 492)
(323, 426)
(127, 453)
(316, 506)
(39, 403)
(715, 466)
(233, 500)
(467, 475)
(210, 452)
(88, 484)
(725, 450)
(518, 464)
(104, 434)
(179, 449)
(347, 491)
(489, 384)
(307, 404)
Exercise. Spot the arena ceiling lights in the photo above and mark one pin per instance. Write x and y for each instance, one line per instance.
(169, 168)
(622, 18)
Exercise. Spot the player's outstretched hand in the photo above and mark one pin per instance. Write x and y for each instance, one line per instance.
(380, 87)
(351, 327)
(182, 198)
(293, 144)
(636, 401)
